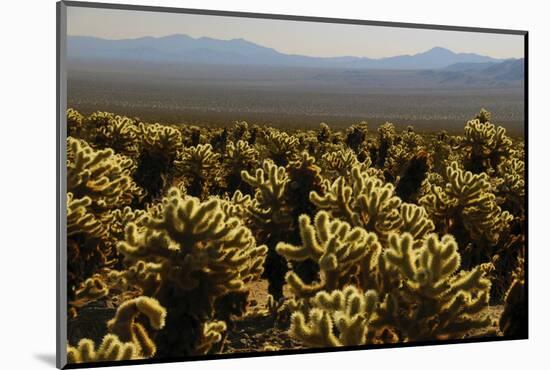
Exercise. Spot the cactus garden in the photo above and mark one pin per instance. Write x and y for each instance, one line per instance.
(189, 240)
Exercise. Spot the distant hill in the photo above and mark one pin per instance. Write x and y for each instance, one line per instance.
(179, 49)
(467, 75)
(507, 70)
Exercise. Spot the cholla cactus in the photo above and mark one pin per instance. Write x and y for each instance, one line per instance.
(236, 206)
(272, 217)
(415, 221)
(338, 318)
(75, 123)
(341, 162)
(366, 202)
(442, 153)
(435, 301)
(412, 176)
(128, 339)
(199, 166)
(110, 349)
(107, 130)
(324, 133)
(126, 327)
(511, 187)
(403, 154)
(386, 138)
(240, 131)
(304, 177)
(87, 248)
(240, 156)
(411, 140)
(356, 136)
(100, 175)
(269, 207)
(483, 116)
(485, 145)
(200, 254)
(98, 181)
(120, 134)
(116, 220)
(194, 239)
(431, 300)
(466, 207)
(80, 219)
(161, 140)
(281, 147)
(396, 162)
(155, 164)
(513, 320)
(334, 246)
(212, 333)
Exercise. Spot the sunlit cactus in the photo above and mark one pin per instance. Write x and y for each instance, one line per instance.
(80, 219)
(365, 202)
(334, 246)
(432, 299)
(396, 162)
(386, 138)
(483, 116)
(442, 153)
(236, 206)
(467, 208)
(239, 156)
(511, 187)
(415, 221)
(437, 301)
(91, 290)
(116, 220)
(120, 134)
(269, 207)
(89, 248)
(406, 158)
(98, 181)
(75, 124)
(110, 349)
(271, 215)
(201, 255)
(128, 329)
(341, 162)
(199, 167)
(100, 175)
(128, 339)
(240, 131)
(361, 237)
(280, 147)
(485, 144)
(211, 336)
(338, 318)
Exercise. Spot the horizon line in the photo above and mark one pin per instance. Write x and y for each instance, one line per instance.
(292, 54)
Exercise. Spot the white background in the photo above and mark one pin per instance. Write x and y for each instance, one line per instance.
(27, 181)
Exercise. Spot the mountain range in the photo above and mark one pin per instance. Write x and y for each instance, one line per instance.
(181, 49)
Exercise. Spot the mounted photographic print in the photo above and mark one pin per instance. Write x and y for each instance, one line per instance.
(238, 184)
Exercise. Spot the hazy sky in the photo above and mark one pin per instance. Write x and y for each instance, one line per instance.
(291, 37)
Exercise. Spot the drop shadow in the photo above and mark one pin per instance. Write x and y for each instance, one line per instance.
(47, 358)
